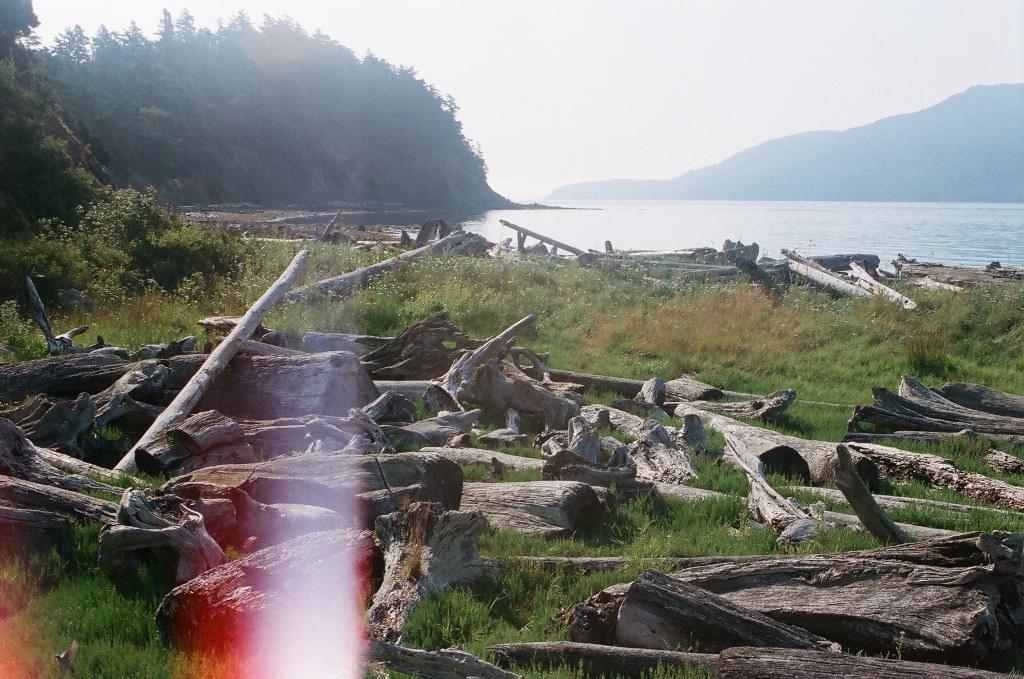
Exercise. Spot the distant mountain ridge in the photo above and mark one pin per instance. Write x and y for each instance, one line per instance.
(968, 148)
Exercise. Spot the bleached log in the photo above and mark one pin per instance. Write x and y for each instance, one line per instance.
(192, 393)
(878, 289)
(486, 457)
(447, 663)
(458, 243)
(656, 457)
(1002, 462)
(900, 502)
(819, 275)
(552, 509)
(766, 409)
(660, 612)
(596, 660)
(542, 238)
(777, 663)
(426, 549)
(20, 459)
(67, 503)
(564, 465)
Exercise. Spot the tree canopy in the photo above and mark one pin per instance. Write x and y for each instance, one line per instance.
(264, 114)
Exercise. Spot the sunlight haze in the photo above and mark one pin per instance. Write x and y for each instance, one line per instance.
(569, 91)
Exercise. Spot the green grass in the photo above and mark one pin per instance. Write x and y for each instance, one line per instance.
(619, 323)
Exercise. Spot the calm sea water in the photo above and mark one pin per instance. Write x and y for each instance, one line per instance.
(968, 234)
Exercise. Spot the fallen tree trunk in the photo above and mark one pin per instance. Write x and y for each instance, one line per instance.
(542, 238)
(766, 409)
(679, 389)
(60, 376)
(983, 399)
(48, 498)
(660, 612)
(426, 549)
(934, 404)
(822, 277)
(788, 455)
(900, 502)
(552, 509)
(778, 663)
(20, 459)
(857, 494)
(458, 243)
(942, 473)
(29, 533)
(487, 457)
(596, 660)
(962, 594)
(1001, 462)
(564, 465)
(447, 663)
(192, 393)
(878, 289)
(316, 342)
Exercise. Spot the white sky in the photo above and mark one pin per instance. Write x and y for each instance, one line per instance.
(560, 91)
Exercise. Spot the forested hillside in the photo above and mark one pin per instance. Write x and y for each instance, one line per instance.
(263, 114)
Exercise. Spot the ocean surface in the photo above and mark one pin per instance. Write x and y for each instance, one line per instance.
(966, 234)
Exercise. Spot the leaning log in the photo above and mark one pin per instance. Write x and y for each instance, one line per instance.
(458, 243)
(192, 393)
(878, 289)
(596, 660)
(542, 238)
(660, 612)
(777, 663)
(551, 509)
(863, 503)
(426, 549)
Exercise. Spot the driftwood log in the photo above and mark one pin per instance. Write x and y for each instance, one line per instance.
(458, 243)
(366, 486)
(505, 461)
(27, 533)
(42, 497)
(656, 457)
(766, 409)
(447, 663)
(679, 389)
(552, 509)
(863, 503)
(596, 660)
(664, 613)
(983, 399)
(148, 525)
(822, 277)
(777, 663)
(564, 465)
(297, 604)
(60, 376)
(426, 549)
(953, 600)
(316, 342)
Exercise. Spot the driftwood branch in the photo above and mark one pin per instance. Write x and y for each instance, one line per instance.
(192, 393)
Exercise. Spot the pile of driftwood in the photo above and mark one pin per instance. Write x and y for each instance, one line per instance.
(292, 460)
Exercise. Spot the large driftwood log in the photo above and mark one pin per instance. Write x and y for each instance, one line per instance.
(863, 503)
(421, 351)
(147, 525)
(201, 440)
(552, 509)
(899, 502)
(379, 484)
(54, 423)
(913, 389)
(942, 473)
(67, 503)
(433, 431)
(983, 399)
(476, 377)
(596, 660)
(290, 435)
(458, 243)
(1002, 462)
(20, 459)
(426, 549)
(542, 238)
(820, 276)
(192, 393)
(778, 663)
(680, 389)
(297, 604)
(953, 600)
(506, 462)
(865, 280)
(447, 663)
(60, 376)
(787, 455)
(663, 613)
(961, 277)
(27, 533)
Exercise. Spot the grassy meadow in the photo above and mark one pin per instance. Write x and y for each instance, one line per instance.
(621, 323)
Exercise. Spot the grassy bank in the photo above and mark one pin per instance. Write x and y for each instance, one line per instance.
(611, 322)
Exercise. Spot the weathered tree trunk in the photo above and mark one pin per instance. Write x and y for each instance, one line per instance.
(961, 596)
(426, 549)
(544, 239)
(863, 503)
(391, 407)
(787, 455)
(779, 663)
(656, 457)
(899, 502)
(934, 404)
(60, 376)
(564, 465)
(51, 499)
(296, 604)
(379, 484)
(61, 344)
(145, 525)
(447, 663)
(458, 243)
(477, 378)
(878, 289)
(662, 613)
(791, 523)
(53, 423)
(552, 509)
(190, 396)
(766, 409)
(487, 457)
(595, 660)
(434, 431)
(202, 440)
(983, 399)
(20, 459)
(679, 389)
(1001, 462)
(942, 473)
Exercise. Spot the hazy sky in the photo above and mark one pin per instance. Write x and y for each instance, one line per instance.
(560, 91)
